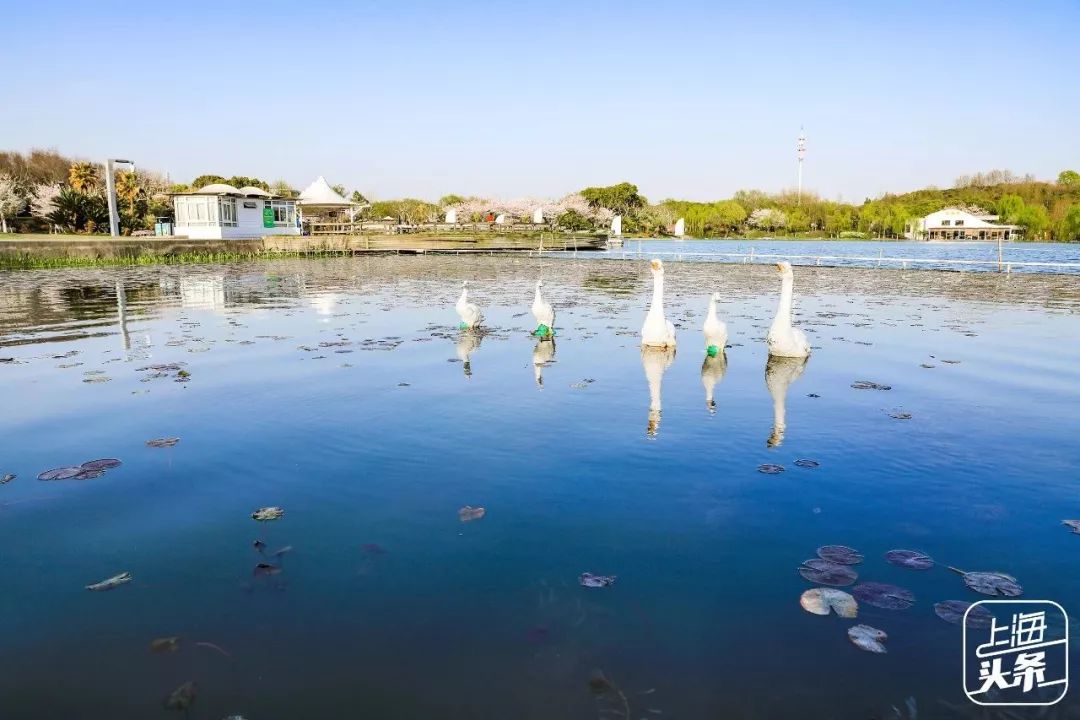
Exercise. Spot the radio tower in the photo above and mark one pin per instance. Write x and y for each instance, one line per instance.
(800, 152)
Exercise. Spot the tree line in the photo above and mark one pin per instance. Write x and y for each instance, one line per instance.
(42, 191)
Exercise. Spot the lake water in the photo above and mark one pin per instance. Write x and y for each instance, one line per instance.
(976, 256)
(342, 392)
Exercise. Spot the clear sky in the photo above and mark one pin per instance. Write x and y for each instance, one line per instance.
(687, 99)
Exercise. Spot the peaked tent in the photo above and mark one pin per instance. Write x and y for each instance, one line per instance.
(320, 202)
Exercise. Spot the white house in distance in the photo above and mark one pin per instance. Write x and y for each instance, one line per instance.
(220, 211)
(957, 224)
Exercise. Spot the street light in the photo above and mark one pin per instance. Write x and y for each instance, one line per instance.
(110, 192)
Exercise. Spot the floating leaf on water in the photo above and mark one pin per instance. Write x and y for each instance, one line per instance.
(812, 395)
(259, 546)
(868, 385)
(103, 464)
(900, 415)
(182, 697)
(952, 611)
(470, 513)
(991, 583)
(805, 463)
(927, 366)
(824, 572)
(5, 479)
(1073, 525)
(596, 581)
(283, 551)
(266, 569)
(883, 595)
(770, 469)
(114, 582)
(89, 474)
(162, 442)
(64, 473)
(267, 513)
(166, 644)
(868, 638)
(911, 559)
(822, 601)
(840, 554)
(951, 362)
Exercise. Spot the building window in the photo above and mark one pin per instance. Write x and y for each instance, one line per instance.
(284, 213)
(958, 223)
(227, 211)
(945, 223)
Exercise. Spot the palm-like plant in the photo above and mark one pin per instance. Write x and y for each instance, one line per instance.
(84, 177)
(75, 211)
(127, 188)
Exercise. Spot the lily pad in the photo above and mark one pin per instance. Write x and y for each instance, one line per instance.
(64, 473)
(166, 644)
(470, 513)
(911, 559)
(1073, 525)
(952, 611)
(822, 601)
(883, 595)
(6, 478)
(596, 581)
(103, 464)
(770, 469)
(900, 415)
(868, 638)
(868, 385)
(266, 569)
(162, 442)
(824, 572)
(992, 583)
(182, 697)
(89, 474)
(840, 554)
(805, 463)
(267, 513)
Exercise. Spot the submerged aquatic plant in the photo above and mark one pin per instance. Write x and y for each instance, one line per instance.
(114, 582)
(266, 514)
(182, 697)
(952, 611)
(883, 595)
(165, 644)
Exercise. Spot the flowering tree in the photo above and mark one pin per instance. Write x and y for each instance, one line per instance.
(767, 219)
(10, 200)
(43, 201)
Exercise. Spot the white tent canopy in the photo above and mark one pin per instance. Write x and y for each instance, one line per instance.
(320, 194)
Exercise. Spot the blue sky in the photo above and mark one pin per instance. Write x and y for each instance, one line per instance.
(686, 99)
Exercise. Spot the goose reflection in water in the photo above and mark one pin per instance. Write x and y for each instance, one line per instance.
(655, 360)
(780, 372)
(712, 372)
(468, 342)
(543, 353)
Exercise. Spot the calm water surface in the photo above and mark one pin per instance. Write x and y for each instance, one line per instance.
(342, 392)
(977, 256)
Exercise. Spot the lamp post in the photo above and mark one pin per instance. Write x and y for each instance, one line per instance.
(800, 153)
(110, 192)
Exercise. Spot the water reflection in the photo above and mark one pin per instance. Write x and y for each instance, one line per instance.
(467, 343)
(121, 314)
(656, 361)
(780, 372)
(543, 353)
(712, 372)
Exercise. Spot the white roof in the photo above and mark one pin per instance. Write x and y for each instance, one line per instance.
(252, 191)
(971, 221)
(320, 193)
(218, 189)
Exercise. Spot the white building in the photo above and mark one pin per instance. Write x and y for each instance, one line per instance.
(221, 211)
(957, 224)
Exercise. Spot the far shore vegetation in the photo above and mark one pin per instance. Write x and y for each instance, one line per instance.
(42, 191)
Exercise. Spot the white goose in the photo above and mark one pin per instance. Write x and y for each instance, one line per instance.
(470, 314)
(544, 314)
(657, 331)
(783, 339)
(715, 329)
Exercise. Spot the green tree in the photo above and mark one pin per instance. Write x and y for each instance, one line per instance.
(1070, 226)
(339, 189)
(204, 180)
(1009, 208)
(239, 181)
(622, 198)
(573, 220)
(79, 212)
(448, 200)
(1035, 221)
(282, 189)
(1069, 178)
(358, 198)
